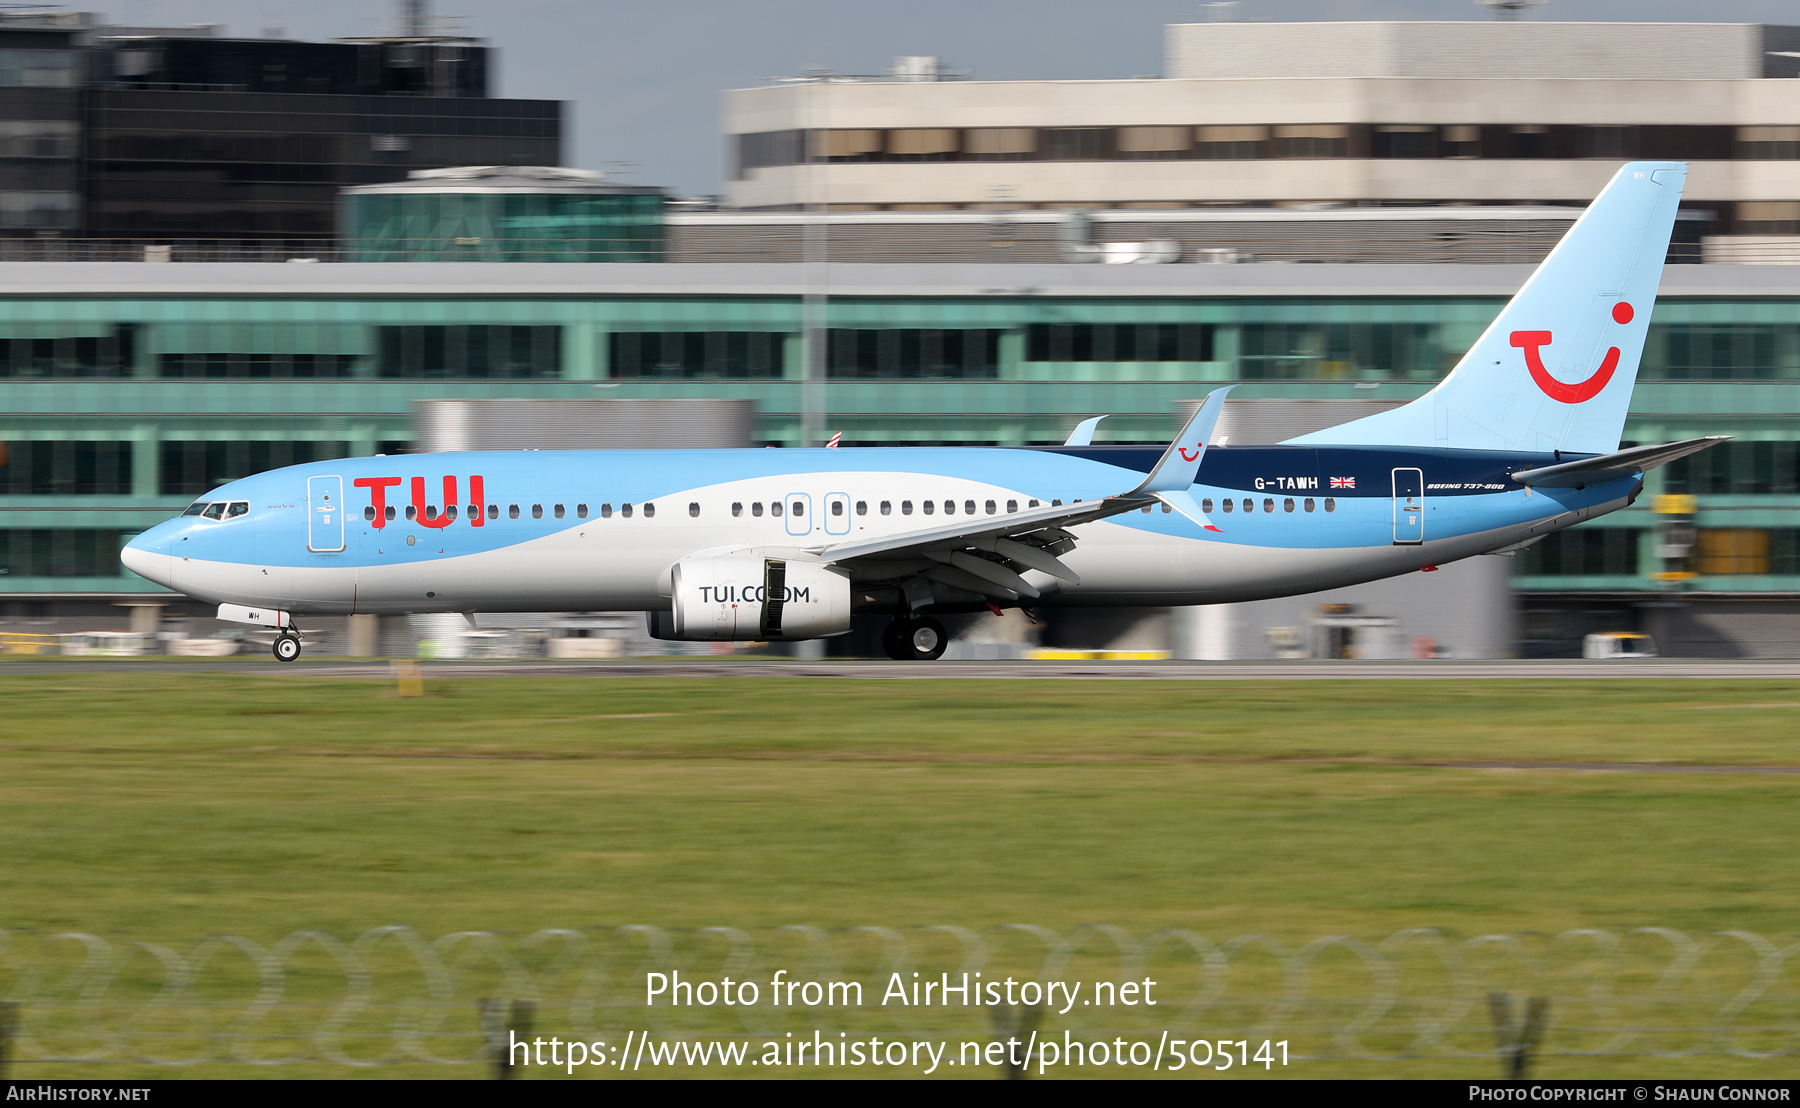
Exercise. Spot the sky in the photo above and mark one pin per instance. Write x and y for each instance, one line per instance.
(643, 78)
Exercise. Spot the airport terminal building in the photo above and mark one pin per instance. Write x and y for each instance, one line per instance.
(130, 388)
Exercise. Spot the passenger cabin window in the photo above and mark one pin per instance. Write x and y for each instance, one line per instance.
(1207, 505)
(837, 507)
(625, 510)
(1268, 503)
(968, 507)
(390, 511)
(906, 507)
(558, 510)
(450, 511)
(1310, 503)
(412, 512)
(1012, 505)
(195, 509)
(950, 507)
(756, 509)
(991, 507)
(1166, 509)
(512, 512)
(1331, 504)
(694, 508)
(1249, 505)
(215, 511)
(887, 507)
(774, 507)
(1031, 503)
(737, 508)
(862, 507)
(606, 511)
(1288, 504)
(369, 513)
(537, 511)
(649, 511)
(237, 508)
(1056, 503)
(930, 506)
(1229, 505)
(581, 511)
(799, 509)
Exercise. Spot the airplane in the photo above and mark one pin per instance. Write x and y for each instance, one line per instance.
(1520, 439)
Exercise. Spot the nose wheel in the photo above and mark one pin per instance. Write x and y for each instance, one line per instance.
(287, 647)
(915, 640)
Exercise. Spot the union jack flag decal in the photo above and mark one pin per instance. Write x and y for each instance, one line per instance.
(1343, 482)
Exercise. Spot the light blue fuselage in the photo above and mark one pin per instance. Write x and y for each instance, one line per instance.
(554, 533)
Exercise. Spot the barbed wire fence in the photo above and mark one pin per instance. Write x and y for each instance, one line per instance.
(390, 996)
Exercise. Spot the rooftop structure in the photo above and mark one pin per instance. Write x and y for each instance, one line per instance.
(1269, 115)
(502, 213)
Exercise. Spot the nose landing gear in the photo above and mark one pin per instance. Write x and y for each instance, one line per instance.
(915, 640)
(287, 646)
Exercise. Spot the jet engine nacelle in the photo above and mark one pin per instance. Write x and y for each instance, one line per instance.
(745, 598)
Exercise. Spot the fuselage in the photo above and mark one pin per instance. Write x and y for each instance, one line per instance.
(600, 530)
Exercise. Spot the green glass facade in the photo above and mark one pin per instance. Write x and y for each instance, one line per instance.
(117, 409)
(503, 226)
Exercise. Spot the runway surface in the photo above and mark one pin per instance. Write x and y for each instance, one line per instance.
(1640, 669)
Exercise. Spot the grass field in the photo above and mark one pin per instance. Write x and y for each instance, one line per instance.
(167, 807)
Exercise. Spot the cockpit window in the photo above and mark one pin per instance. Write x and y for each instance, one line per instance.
(237, 508)
(196, 508)
(215, 510)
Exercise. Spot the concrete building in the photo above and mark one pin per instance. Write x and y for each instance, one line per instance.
(1273, 114)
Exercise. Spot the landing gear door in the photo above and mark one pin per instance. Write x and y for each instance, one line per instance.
(1409, 507)
(325, 514)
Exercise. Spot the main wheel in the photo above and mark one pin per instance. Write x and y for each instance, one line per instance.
(926, 640)
(287, 648)
(893, 640)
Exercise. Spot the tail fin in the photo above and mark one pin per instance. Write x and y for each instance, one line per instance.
(1554, 371)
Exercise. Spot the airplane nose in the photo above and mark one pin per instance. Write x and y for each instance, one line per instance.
(148, 557)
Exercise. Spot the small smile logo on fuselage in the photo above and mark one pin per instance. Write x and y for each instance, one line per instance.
(1532, 343)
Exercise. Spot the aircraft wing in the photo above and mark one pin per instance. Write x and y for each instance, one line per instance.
(1606, 467)
(988, 554)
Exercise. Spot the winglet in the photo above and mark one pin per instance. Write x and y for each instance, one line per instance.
(1183, 501)
(1083, 434)
(1180, 464)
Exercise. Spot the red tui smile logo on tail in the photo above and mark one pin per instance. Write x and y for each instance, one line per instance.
(1533, 341)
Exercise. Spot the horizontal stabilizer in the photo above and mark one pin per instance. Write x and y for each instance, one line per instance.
(1606, 467)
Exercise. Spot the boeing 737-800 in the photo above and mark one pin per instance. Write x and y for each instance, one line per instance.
(1519, 440)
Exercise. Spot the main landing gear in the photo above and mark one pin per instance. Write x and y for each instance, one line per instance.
(287, 646)
(915, 640)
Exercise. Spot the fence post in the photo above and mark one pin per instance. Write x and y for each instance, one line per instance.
(500, 1032)
(1517, 1042)
(1010, 1024)
(9, 1016)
